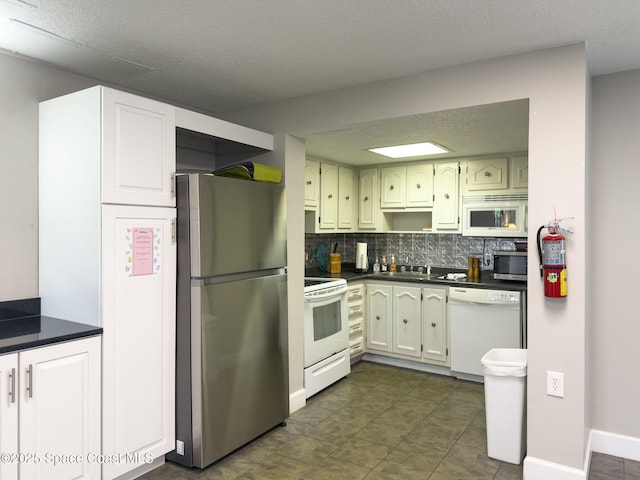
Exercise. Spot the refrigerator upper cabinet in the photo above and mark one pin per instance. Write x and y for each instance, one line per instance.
(247, 221)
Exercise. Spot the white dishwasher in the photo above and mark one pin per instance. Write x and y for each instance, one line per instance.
(480, 320)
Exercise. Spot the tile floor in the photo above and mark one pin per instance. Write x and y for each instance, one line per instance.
(381, 422)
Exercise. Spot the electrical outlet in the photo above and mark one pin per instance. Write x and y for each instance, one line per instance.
(179, 447)
(555, 384)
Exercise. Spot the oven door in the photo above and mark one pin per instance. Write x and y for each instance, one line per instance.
(326, 329)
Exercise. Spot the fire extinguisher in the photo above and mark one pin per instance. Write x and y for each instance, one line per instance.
(553, 265)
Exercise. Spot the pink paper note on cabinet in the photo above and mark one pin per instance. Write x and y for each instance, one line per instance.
(142, 254)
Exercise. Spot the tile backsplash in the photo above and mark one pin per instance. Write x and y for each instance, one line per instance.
(435, 249)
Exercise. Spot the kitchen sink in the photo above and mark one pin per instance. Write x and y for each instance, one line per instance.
(421, 276)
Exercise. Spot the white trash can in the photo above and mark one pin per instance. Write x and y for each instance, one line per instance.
(505, 388)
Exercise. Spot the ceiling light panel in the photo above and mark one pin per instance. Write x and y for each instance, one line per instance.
(410, 150)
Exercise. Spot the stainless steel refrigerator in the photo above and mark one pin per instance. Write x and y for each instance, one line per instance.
(231, 339)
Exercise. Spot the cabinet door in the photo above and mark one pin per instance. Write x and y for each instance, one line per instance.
(407, 321)
(420, 185)
(345, 202)
(393, 187)
(9, 414)
(139, 272)
(488, 174)
(328, 196)
(379, 315)
(519, 171)
(311, 183)
(60, 409)
(138, 150)
(368, 198)
(434, 328)
(447, 202)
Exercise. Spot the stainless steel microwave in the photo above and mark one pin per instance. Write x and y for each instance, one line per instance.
(494, 215)
(509, 265)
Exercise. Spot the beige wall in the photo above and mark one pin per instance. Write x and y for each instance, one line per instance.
(615, 253)
(556, 83)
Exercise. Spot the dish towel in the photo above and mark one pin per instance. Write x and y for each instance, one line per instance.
(251, 171)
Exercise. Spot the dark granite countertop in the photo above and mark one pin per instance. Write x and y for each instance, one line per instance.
(22, 327)
(485, 281)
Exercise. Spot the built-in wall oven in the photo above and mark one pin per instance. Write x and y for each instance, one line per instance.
(326, 333)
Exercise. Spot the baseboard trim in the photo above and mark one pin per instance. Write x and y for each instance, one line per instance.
(297, 400)
(614, 444)
(537, 469)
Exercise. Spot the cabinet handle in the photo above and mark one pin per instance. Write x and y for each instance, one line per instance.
(391, 187)
(433, 324)
(308, 182)
(366, 198)
(417, 185)
(446, 195)
(12, 386)
(30, 380)
(377, 317)
(487, 174)
(405, 320)
(347, 197)
(330, 195)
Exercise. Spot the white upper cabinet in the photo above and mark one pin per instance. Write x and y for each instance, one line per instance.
(393, 187)
(138, 150)
(346, 193)
(487, 174)
(420, 185)
(519, 169)
(368, 199)
(328, 196)
(446, 208)
(311, 183)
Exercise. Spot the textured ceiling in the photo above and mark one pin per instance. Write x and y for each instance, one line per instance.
(217, 55)
(222, 54)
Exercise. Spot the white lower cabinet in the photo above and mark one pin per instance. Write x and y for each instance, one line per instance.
(379, 316)
(355, 302)
(50, 412)
(407, 319)
(434, 326)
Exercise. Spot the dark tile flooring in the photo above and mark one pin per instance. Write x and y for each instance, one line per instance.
(380, 422)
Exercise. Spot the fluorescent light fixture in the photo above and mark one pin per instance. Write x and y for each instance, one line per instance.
(33, 42)
(410, 150)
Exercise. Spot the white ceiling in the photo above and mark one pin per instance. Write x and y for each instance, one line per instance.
(218, 55)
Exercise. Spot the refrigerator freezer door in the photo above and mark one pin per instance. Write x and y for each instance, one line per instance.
(239, 363)
(236, 225)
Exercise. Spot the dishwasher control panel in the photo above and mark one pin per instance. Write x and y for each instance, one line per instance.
(484, 296)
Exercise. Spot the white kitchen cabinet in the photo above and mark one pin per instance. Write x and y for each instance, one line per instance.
(446, 207)
(434, 326)
(346, 198)
(487, 174)
(108, 256)
(356, 304)
(379, 317)
(407, 321)
(311, 183)
(519, 172)
(393, 187)
(368, 207)
(55, 411)
(9, 398)
(139, 333)
(420, 185)
(328, 196)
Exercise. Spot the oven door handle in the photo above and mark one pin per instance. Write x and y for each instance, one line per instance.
(320, 295)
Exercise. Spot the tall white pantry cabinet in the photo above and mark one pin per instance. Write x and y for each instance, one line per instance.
(108, 253)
